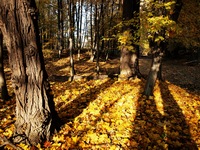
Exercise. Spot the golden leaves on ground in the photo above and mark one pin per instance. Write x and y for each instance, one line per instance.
(106, 122)
(111, 114)
(7, 118)
(115, 115)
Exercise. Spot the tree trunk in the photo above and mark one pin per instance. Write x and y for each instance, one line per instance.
(3, 87)
(126, 60)
(92, 52)
(102, 18)
(79, 15)
(72, 70)
(60, 27)
(97, 40)
(71, 39)
(154, 72)
(36, 117)
(129, 58)
(157, 47)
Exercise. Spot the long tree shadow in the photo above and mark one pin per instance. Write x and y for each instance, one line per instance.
(93, 120)
(177, 130)
(148, 126)
(76, 106)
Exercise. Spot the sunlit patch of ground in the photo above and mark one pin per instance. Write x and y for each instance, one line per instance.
(112, 114)
(107, 119)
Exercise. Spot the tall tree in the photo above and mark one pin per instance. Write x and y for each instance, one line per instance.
(129, 48)
(3, 87)
(60, 27)
(79, 17)
(71, 37)
(92, 52)
(97, 36)
(158, 40)
(102, 18)
(36, 118)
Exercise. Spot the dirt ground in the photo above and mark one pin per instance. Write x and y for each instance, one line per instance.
(178, 72)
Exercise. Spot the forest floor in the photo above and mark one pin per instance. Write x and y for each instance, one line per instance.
(113, 114)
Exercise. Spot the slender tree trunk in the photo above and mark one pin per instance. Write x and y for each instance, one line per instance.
(92, 52)
(109, 32)
(157, 47)
(79, 25)
(80, 30)
(102, 17)
(3, 87)
(97, 37)
(71, 39)
(73, 23)
(72, 70)
(155, 71)
(60, 27)
(36, 118)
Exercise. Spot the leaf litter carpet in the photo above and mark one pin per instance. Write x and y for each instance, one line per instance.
(113, 114)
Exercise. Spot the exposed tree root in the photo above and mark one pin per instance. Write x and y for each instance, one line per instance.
(4, 141)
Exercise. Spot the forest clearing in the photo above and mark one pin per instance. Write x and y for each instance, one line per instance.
(112, 114)
(100, 75)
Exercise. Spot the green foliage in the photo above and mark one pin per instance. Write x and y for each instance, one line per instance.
(169, 5)
(126, 39)
(158, 23)
(158, 19)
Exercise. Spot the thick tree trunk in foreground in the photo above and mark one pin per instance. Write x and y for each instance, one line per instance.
(35, 113)
(3, 87)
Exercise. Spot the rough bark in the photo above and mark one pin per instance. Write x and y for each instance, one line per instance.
(36, 117)
(127, 61)
(3, 87)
